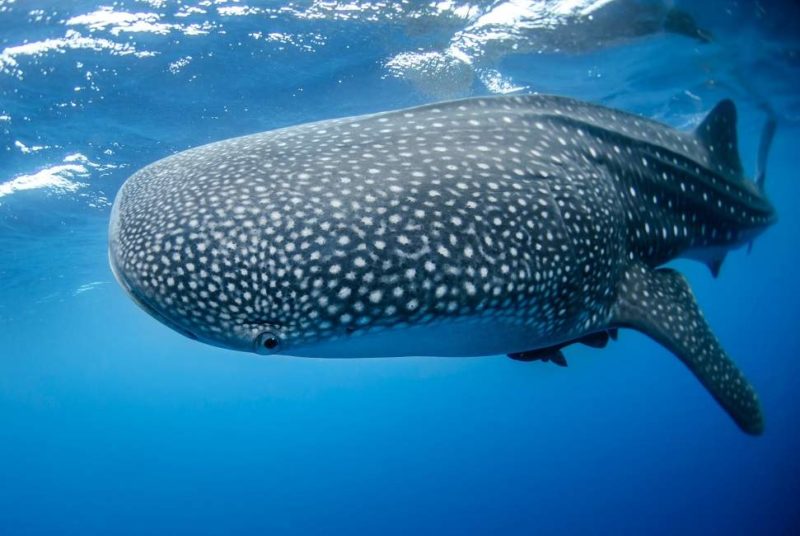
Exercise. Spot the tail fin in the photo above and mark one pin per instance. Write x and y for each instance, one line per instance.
(764, 145)
(680, 22)
(767, 134)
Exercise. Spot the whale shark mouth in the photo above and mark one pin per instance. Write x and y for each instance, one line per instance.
(161, 318)
(123, 282)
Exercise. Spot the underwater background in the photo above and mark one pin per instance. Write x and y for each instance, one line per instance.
(111, 423)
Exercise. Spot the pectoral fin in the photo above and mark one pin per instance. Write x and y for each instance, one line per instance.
(660, 304)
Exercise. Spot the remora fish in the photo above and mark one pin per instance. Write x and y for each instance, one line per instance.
(512, 225)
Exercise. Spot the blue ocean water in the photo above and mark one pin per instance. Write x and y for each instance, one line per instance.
(110, 423)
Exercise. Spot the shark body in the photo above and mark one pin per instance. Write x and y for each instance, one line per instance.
(505, 225)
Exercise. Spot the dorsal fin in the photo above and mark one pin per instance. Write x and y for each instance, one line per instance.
(717, 134)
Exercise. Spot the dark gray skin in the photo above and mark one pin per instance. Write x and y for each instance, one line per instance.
(475, 227)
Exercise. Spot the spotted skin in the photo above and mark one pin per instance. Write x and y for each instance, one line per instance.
(472, 227)
(661, 304)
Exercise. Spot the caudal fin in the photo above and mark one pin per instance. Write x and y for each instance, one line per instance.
(680, 22)
(764, 145)
(767, 135)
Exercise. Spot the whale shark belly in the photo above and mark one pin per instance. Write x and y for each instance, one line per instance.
(456, 337)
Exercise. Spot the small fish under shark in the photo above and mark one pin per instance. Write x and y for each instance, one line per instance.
(501, 225)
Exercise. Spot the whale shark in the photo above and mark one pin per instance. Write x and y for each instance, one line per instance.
(514, 225)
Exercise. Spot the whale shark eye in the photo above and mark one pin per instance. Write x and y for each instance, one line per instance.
(267, 342)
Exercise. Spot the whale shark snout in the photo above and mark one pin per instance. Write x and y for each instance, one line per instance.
(150, 255)
(139, 300)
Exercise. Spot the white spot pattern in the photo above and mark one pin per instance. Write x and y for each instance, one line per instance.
(524, 209)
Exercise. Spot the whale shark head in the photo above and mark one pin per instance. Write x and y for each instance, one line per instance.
(239, 247)
(185, 263)
(236, 247)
